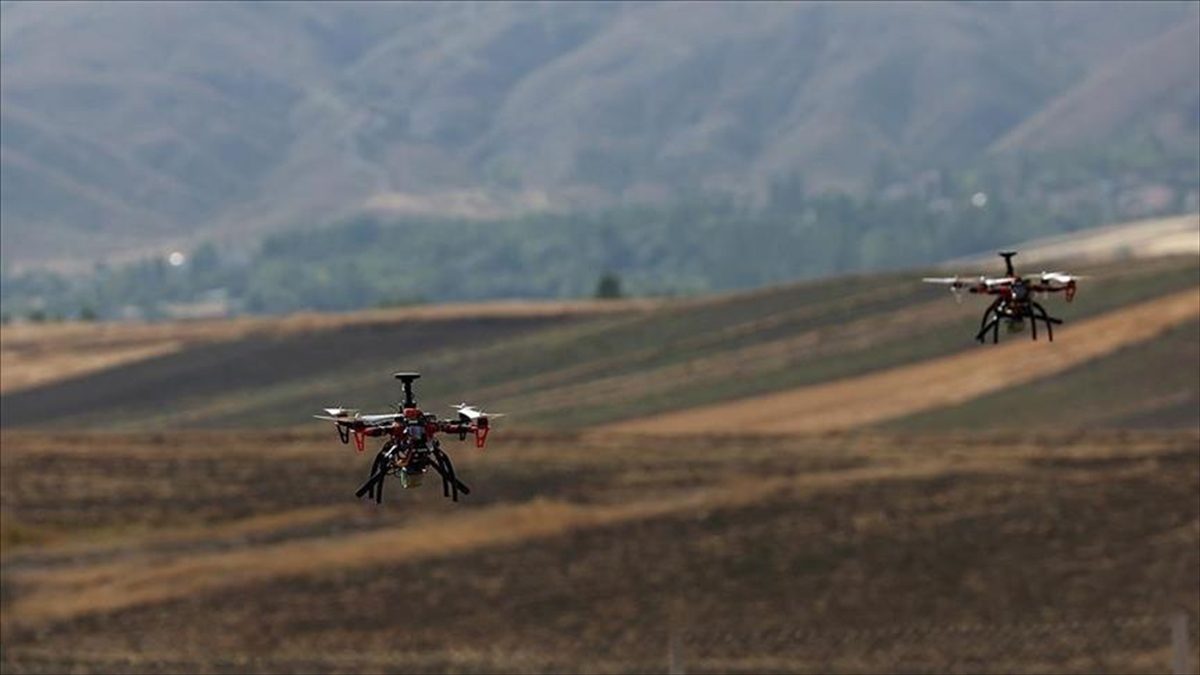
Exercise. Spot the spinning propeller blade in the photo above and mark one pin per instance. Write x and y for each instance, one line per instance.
(351, 417)
(470, 412)
(1060, 277)
(957, 286)
(945, 281)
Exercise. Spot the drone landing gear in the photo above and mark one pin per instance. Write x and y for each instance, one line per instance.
(376, 489)
(1046, 319)
(990, 321)
(992, 318)
(1038, 313)
(451, 485)
(373, 488)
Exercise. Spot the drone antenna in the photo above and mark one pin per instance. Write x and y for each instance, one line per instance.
(406, 380)
(1008, 266)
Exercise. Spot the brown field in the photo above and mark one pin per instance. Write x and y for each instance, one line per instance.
(842, 482)
(834, 552)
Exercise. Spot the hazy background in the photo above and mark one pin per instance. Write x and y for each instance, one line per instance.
(344, 155)
(684, 245)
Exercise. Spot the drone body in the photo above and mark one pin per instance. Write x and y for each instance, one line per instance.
(410, 448)
(1014, 298)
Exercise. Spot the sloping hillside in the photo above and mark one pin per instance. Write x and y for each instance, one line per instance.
(1109, 392)
(1113, 98)
(633, 361)
(1151, 238)
(129, 129)
(938, 383)
(34, 354)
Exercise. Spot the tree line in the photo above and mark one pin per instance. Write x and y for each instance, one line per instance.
(697, 244)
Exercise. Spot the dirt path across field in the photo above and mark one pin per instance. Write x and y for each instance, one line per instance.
(948, 381)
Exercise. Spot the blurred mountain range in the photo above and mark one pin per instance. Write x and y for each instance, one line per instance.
(127, 127)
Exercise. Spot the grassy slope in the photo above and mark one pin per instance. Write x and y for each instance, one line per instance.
(746, 344)
(832, 553)
(33, 354)
(1112, 392)
(898, 392)
(207, 551)
(1149, 238)
(239, 375)
(567, 373)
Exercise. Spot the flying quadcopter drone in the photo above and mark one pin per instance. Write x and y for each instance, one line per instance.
(410, 448)
(1014, 301)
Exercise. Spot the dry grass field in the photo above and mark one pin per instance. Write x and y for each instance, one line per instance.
(835, 552)
(818, 477)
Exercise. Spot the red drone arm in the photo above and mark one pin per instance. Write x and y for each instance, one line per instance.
(359, 431)
(481, 432)
(479, 428)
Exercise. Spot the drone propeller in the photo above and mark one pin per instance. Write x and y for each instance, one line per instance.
(478, 421)
(961, 282)
(955, 284)
(944, 281)
(470, 412)
(1060, 277)
(358, 418)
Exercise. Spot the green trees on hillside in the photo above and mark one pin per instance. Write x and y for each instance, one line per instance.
(608, 287)
(701, 243)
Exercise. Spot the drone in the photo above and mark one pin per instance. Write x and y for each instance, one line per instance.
(1014, 301)
(410, 448)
